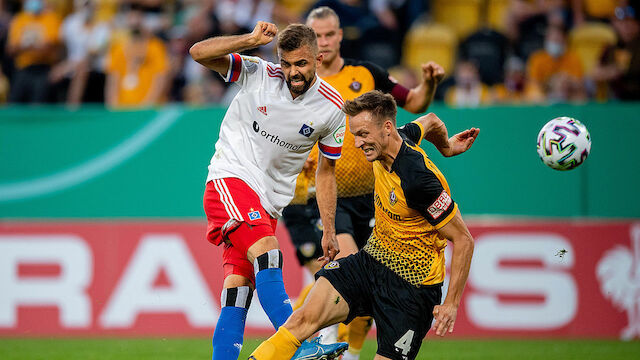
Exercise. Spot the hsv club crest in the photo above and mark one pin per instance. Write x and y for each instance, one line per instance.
(306, 130)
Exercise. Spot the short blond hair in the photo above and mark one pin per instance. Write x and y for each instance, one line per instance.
(322, 12)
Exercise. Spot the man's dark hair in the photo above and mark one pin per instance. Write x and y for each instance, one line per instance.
(381, 106)
(296, 36)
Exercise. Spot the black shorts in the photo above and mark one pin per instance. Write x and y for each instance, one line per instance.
(354, 215)
(402, 312)
(305, 229)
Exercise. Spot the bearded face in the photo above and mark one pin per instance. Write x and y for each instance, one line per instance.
(299, 68)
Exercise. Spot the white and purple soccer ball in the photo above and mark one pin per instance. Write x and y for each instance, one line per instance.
(563, 143)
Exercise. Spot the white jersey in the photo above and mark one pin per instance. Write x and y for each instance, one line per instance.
(266, 135)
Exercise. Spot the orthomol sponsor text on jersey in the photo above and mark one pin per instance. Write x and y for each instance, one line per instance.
(390, 214)
(274, 138)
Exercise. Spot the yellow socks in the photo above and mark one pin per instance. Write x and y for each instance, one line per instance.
(303, 295)
(343, 333)
(281, 346)
(358, 329)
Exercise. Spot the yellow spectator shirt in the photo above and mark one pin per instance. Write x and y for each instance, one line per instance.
(603, 9)
(542, 66)
(136, 65)
(529, 95)
(29, 29)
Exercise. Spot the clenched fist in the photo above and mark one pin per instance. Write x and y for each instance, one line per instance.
(264, 33)
(432, 73)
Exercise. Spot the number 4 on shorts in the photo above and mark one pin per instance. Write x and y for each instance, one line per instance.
(404, 343)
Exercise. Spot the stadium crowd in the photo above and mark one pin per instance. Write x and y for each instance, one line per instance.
(134, 53)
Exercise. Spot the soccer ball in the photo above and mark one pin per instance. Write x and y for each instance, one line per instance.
(563, 143)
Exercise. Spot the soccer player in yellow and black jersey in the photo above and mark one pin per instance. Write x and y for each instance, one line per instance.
(397, 277)
(354, 174)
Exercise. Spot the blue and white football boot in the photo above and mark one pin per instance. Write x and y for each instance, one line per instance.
(314, 350)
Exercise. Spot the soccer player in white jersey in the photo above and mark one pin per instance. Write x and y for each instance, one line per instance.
(269, 129)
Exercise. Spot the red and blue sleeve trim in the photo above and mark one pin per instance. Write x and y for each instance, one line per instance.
(236, 67)
(333, 152)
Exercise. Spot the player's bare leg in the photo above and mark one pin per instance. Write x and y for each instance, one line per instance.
(357, 330)
(380, 357)
(313, 266)
(234, 280)
(347, 245)
(262, 246)
(332, 333)
(324, 306)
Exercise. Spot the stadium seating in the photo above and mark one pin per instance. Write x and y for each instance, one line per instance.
(463, 16)
(497, 14)
(589, 40)
(430, 42)
(299, 7)
(600, 9)
(488, 49)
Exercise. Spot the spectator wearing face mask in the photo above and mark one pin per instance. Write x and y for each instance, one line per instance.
(554, 59)
(468, 90)
(34, 39)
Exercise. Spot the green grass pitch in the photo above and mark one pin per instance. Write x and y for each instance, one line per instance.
(186, 349)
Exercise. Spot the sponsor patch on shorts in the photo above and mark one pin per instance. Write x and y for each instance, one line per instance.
(332, 265)
(440, 205)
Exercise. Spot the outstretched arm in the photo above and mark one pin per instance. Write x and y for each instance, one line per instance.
(212, 52)
(436, 133)
(457, 232)
(420, 97)
(326, 197)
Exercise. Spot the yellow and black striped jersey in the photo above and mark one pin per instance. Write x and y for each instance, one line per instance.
(412, 201)
(354, 174)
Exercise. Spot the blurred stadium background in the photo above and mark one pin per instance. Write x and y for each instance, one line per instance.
(107, 126)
